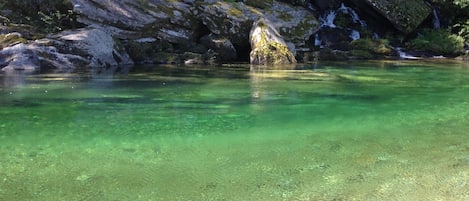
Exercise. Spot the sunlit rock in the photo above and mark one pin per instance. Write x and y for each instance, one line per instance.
(268, 46)
(69, 49)
(99, 47)
(127, 19)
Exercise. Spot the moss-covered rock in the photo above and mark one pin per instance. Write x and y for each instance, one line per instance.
(327, 54)
(367, 48)
(262, 4)
(405, 15)
(232, 20)
(268, 47)
(10, 39)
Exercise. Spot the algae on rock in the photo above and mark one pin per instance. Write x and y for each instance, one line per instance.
(268, 47)
(405, 15)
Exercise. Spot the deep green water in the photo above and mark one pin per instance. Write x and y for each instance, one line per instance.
(345, 131)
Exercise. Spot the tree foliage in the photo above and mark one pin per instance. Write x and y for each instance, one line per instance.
(456, 15)
(439, 41)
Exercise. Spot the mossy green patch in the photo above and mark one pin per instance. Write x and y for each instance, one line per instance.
(9, 39)
(378, 46)
(360, 54)
(406, 15)
(285, 16)
(271, 52)
(235, 12)
(301, 29)
(259, 3)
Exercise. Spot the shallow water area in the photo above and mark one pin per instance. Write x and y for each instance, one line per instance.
(379, 130)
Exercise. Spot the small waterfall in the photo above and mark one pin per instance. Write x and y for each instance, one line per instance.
(328, 20)
(404, 55)
(317, 41)
(436, 20)
(347, 10)
(354, 35)
(311, 7)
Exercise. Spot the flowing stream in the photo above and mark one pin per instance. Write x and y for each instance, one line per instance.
(384, 130)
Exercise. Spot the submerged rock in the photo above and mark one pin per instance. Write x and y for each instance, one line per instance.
(268, 46)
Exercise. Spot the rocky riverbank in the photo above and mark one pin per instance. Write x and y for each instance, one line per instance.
(124, 32)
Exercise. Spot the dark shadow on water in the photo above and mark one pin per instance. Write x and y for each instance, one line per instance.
(228, 71)
(19, 103)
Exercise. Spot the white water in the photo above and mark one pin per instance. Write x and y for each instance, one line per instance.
(328, 20)
(355, 18)
(405, 55)
(436, 20)
(311, 7)
(354, 35)
(317, 41)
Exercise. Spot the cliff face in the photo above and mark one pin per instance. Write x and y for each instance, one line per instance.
(194, 25)
(209, 31)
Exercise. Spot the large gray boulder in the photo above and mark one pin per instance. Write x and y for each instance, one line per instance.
(128, 19)
(70, 49)
(404, 15)
(96, 45)
(268, 46)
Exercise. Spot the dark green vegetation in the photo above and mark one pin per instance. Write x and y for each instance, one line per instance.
(367, 48)
(439, 41)
(450, 39)
(46, 16)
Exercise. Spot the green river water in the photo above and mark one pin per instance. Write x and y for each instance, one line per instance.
(384, 130)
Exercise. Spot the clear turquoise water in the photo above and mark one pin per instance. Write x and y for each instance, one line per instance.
(395, 130)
